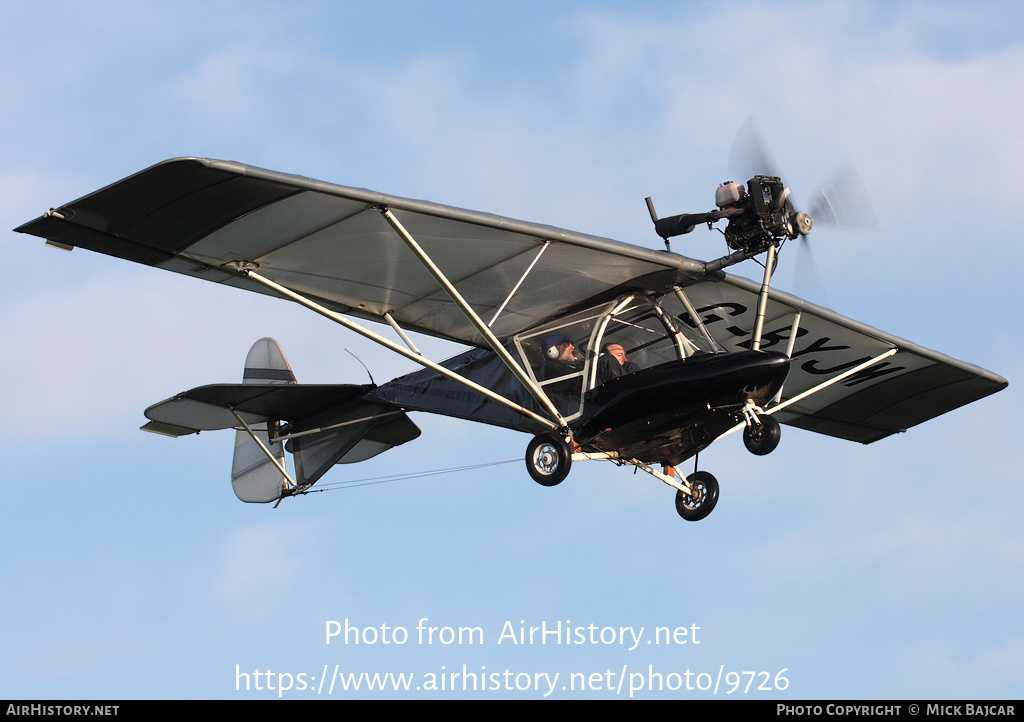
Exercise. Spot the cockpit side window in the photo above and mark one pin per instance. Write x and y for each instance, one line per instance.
(578, 352)
(557, 356)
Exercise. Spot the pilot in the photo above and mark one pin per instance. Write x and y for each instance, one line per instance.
(559, 355)
(559, 361)
(613, 363)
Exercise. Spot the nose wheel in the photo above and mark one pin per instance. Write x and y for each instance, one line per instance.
(696, 506)
(762, 435)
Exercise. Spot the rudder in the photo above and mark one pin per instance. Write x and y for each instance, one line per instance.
(254, 477)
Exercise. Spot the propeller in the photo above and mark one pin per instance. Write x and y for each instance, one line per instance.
(840, 202)
(843, 202)
(748, 156)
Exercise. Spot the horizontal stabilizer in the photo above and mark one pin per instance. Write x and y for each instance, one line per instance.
(208, 408)
(163, 429)
(329, 424)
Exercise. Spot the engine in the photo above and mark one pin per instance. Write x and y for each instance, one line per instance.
(759, 215)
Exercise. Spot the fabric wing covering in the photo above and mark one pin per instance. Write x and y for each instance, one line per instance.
(204, 217)
(208, 218)
(890, 396)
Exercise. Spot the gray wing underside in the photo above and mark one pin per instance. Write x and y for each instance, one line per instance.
(205, 218)
(890, 396)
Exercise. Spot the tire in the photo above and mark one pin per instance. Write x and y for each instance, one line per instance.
(762, 438)
(548, 459)
(695, 509)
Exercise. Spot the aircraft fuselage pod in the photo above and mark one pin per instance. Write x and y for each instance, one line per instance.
(668, 413)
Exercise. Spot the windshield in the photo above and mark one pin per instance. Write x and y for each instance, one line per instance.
(637, 337)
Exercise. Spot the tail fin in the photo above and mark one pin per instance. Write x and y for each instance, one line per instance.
(254, 477)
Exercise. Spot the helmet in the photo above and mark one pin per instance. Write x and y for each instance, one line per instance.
(551, 343)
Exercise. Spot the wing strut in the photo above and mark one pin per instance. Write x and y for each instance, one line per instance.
(794, 328)
(391, 345)
(823, 385)
(840, 377)
(475, 319)
(519, 283)
(684, 299)
(402, 334)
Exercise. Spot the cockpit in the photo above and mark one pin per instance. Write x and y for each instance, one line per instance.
(572, 355)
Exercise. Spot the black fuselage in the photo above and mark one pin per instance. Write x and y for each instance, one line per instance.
(668, 413)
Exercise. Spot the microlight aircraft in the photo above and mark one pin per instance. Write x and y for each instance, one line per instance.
(542, 310)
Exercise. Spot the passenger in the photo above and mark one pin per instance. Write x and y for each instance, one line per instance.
(614, 363)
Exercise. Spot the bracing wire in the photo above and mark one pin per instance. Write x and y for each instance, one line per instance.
(369, 481)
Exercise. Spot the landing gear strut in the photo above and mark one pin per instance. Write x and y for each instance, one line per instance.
(549, 458)
(696, 498)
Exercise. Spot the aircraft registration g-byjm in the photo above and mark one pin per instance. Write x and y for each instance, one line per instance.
(598, 349)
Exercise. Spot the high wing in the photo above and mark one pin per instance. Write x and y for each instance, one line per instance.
(336, 246)
(887, 397)
(210, 218)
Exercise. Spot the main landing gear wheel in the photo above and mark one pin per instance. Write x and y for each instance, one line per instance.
(762, 438)
(548, 459)
(705, 487)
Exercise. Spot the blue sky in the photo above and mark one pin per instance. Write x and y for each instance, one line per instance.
(884, 571)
